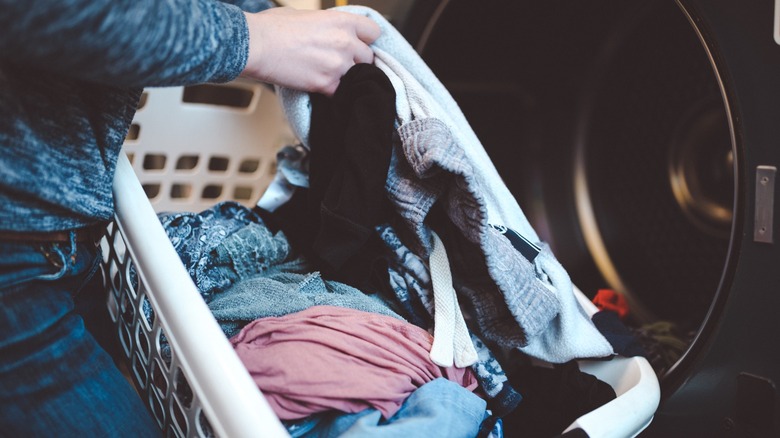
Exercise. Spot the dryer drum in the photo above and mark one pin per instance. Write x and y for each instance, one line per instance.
(607, 121)
(654, 169)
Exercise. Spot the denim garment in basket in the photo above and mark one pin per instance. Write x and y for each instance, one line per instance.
(53, 373)
(439, 408)
(70, 81)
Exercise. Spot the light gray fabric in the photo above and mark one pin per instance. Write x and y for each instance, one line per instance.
(434, 169)
(283, 293)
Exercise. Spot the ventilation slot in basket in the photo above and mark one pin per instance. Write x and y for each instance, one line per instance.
(133, 132)
(211, 191)
(233, 97)
(187, 162)
(249, 165)
(142, 100)
(219, 164)
(151, 190)
(242, 193)
(181, 191)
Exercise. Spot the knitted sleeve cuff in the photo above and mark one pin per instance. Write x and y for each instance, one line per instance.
(235, 47)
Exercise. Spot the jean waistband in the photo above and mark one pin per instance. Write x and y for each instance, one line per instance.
(91, 233)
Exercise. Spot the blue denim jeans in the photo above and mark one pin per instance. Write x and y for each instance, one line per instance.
(438, 408)
(55, 379)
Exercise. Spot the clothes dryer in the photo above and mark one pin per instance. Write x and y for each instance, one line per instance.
(642, 139)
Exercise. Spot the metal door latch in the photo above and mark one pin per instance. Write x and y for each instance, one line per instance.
(765, 201)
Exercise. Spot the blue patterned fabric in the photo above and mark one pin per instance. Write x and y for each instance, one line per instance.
(223, 243)
(220, 245)
(409, 278)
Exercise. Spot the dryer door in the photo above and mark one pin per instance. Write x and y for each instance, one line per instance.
(608, 122)
(631, 133)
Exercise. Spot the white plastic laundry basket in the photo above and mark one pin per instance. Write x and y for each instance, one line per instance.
(190, 148)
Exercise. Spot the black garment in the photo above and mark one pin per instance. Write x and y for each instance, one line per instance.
(552, 399)
(333, 222)
(617, 334)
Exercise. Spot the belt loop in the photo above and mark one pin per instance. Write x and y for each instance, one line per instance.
(54, 257)
(73, 248)
(61, 257)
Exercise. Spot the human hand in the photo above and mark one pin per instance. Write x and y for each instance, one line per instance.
(307, 50)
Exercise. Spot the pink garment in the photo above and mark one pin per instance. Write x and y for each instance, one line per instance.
(328, 357)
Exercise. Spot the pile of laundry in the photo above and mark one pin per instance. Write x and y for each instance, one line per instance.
(389, 253)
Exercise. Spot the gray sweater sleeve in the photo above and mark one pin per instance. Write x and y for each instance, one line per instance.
(126, 42)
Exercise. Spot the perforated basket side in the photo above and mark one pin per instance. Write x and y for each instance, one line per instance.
(192, 147)
(200, 387)
(157, 375)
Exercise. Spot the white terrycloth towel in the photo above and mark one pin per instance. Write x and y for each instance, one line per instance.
(451, 339)
(419, 93)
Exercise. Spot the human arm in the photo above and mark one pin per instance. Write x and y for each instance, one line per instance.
(126, 42)
(307, 50)
(178, 42)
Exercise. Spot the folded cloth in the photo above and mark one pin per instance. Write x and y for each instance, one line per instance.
(327, 357)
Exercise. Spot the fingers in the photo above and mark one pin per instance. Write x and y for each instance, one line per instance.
(366, 29)
(330, 89)
(307, 50)
(363, 55)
